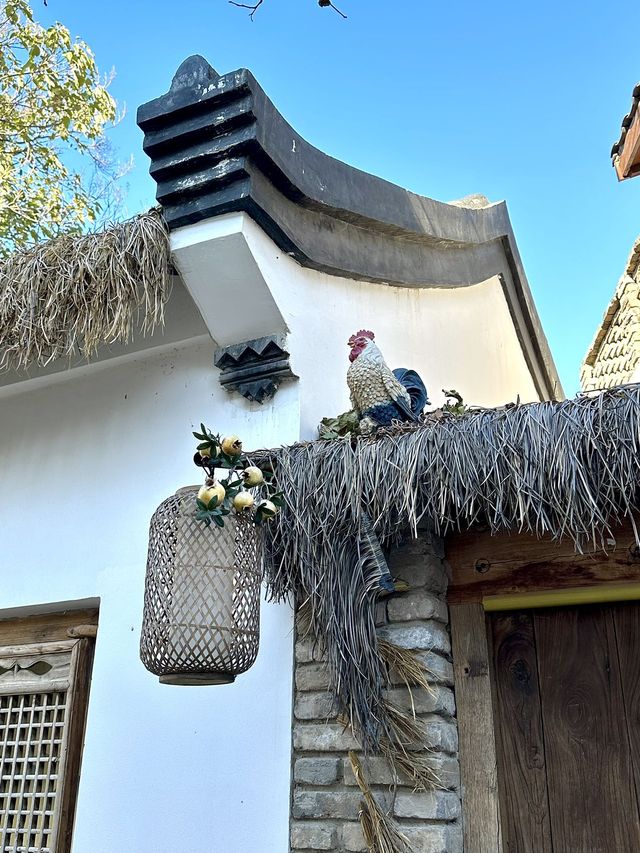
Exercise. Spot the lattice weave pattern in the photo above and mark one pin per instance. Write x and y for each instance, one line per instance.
(202, 592)
(31, 742)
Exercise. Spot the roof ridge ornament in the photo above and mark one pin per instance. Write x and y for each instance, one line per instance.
(194, 71)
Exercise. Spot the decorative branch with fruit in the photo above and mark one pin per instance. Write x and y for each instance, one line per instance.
(246, 490)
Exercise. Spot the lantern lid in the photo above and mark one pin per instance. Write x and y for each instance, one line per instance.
(197, 679)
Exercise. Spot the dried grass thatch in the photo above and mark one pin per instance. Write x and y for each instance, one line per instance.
(380, 831)
(72, 294)
(405, 663)
(565, 470)
(415, 766)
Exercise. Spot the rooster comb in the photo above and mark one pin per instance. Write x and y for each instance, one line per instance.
(363, 333)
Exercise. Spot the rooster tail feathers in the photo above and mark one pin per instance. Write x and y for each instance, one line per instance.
(410, 380)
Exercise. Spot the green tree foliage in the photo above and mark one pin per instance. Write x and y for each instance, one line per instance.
(55, 165)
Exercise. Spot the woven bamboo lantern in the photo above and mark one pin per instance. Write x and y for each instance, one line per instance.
(201, 622)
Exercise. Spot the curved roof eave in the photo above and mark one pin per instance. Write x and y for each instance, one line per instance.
(218, 145)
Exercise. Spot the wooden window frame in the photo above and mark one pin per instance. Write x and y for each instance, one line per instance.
(45, 634)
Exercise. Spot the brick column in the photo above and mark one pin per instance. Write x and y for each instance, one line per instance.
(326, 799)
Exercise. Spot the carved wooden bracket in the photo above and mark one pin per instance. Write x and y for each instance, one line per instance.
(83, 631)
(254, 368)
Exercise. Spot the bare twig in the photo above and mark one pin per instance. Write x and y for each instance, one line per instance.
(253, 6)
(325, 3)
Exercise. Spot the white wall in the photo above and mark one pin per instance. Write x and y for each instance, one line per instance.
(455, 337)
(83, 464)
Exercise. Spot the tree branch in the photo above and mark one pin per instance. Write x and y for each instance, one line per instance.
(253, 6)
(326, 3)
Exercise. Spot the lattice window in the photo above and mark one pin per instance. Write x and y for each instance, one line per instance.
(39, 718)
(31, 731)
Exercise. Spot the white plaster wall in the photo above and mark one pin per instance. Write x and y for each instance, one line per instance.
(83, 464)
(455, 337)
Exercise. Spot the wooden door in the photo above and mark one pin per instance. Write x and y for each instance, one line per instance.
(567, 708)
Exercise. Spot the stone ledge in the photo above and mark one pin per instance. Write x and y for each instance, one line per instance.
(352, 838)
(317, 771)
(320, 737)
(417, 605)
(447, 767)
(378, 771)
(326, 804)
(433, 838)
(439, 669)
(430, 805)
(428, 635)
(312, 676)
(439, 700)
(315, 706)
(309, 650)
(441, 735)
(312, 836)
(256, 368)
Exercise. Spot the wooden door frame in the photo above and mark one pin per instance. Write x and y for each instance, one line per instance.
(493, 572)
(477, 751)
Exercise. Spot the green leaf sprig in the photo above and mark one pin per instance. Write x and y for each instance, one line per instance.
(215, 453)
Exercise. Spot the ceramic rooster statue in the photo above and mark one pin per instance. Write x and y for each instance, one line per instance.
(378, 394)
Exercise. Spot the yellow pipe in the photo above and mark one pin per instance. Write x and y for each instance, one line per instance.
(563, 597)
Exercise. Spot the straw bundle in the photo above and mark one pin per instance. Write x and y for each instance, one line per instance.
(380, 831)
(72, 294)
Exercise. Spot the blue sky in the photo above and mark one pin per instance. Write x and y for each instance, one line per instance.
(515, 101)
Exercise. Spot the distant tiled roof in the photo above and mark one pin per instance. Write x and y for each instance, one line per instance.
(627, 121)
(615, 352)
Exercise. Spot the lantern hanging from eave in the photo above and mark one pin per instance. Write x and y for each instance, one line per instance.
(201, 622)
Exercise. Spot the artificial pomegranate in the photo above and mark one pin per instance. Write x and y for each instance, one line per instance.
(253, 476)
(231, 445)
(243, 500)
(207, 493)
(268, 509)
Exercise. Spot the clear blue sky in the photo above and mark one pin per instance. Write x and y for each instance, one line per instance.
(516, 101)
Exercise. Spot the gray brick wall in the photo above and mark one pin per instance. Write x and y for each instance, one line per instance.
(325, 796)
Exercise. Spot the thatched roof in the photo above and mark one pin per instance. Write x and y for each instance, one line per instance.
(615, 351)
(74, 293)
(566, 469)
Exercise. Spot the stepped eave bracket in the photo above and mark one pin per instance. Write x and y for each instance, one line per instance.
(255, 369)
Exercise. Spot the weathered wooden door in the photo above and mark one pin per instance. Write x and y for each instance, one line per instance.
(567, 718)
